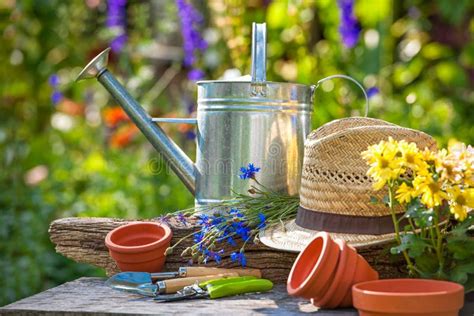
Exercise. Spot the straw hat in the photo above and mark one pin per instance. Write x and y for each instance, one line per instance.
(335, 191)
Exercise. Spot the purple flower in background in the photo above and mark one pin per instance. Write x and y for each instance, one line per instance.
(372, 91)
(195, 74)
(56, 96)
(349, 27)
(53, 80)
(116, 19)
(193, 42)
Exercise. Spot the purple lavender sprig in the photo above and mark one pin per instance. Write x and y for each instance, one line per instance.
(349, 27)
(117, 20)
(193, 42)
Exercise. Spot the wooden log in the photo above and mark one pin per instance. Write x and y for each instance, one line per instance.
(82, 240)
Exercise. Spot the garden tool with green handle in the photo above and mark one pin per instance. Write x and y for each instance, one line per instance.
(219, 288)
(133, 279)
(168, 286)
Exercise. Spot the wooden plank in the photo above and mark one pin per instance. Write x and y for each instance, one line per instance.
(89, 296)
(82, 240)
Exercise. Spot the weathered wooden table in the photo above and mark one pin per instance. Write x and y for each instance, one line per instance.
(90, 296)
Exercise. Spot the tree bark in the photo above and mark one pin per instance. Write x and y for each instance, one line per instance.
(82, 240)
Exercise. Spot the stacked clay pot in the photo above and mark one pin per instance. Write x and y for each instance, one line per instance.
(325, 271)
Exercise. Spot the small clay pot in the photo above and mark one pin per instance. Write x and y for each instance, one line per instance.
(326, 270)
(408, 297)
(351, 268)
(314, 268)
(139, 246)
(342, 282)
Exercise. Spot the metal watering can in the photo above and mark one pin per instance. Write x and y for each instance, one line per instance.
(238, 122)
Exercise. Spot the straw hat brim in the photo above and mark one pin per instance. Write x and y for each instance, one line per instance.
(293, 238)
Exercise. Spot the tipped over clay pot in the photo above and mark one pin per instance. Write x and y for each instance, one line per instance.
(408, 297)
(139, 246)
(326, 270)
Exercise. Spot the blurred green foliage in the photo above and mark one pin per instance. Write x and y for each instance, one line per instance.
(58, 161)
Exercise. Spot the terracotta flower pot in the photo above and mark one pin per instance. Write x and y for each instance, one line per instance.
(352, 268)
(408, 297)
(326, 270)
(139, 246)
(314, 267)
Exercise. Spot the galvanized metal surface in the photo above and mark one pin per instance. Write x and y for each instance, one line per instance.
(236, 128)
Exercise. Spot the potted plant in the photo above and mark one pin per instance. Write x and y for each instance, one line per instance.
(430, 195)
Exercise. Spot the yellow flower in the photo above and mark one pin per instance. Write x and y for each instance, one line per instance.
(411, 156)
(461, 202)
(384, 161)
(405, 193)
(431, 192)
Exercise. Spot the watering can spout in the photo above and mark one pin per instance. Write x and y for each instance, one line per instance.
(172, 154)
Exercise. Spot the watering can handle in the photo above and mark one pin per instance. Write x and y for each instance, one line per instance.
(192, 121)
(354, 81)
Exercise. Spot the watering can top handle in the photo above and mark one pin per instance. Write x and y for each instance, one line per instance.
(351, 79)
(259, 52)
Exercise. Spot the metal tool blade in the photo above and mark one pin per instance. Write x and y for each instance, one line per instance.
(137, 278)
(147, 289)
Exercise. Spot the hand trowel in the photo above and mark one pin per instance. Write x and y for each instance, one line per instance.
(165, 286)
(133, 279)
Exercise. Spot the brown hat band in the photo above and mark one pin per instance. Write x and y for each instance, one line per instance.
(346, 224)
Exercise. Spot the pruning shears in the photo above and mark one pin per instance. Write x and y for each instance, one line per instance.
(219, 288)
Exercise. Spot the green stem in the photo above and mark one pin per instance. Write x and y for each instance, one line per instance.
(439, 242)
(411, 268)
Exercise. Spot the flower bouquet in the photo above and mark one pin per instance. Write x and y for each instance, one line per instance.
(436, 192)
(239, 218)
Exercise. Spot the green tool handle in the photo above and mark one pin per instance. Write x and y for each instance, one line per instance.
(221, 281)
(242, 287)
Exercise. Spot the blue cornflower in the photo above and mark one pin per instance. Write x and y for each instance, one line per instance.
(372, 91)
(217, 256)
(236, 213)
(349, 27)
(240, 257)
(249, 172)
(231, 241)
(198, 237)
(262, 219)
(234, 256)
(243, 232)
(243, 260)
(182, 218)
(204, 220)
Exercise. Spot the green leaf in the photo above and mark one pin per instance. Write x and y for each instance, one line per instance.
(414, 245)
(460, 272)
(461, 247)
(427, 264)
